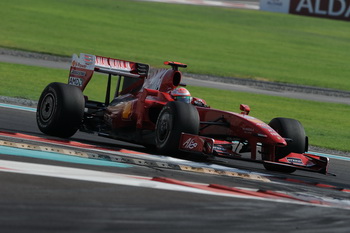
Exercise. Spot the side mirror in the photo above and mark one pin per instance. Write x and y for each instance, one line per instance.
(245, 109)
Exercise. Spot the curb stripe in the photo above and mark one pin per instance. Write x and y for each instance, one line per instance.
(58, 157)
(259, 194)
(315, 184)
(116, 159)
(127, 156)
(44, 149)
(155, 182)
(62, 142)
(237, 190)
(225, 173)
(18, 107)
(122, 157)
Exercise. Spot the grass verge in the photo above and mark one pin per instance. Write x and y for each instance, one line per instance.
(211, 40)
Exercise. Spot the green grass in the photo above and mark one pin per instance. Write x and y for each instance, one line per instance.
(27, 82)
(326, 124)
(211, 40)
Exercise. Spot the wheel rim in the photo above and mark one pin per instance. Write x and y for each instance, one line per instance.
(164, 127)
(47, 107)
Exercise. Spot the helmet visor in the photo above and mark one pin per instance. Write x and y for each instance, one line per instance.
(185, 99)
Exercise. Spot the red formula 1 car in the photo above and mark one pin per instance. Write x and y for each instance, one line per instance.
(145, 110)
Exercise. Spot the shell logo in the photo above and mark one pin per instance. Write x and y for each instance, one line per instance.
(127, 111)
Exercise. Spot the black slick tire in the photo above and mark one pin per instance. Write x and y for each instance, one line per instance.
(60, 110)
(296, 141)
(175, 118)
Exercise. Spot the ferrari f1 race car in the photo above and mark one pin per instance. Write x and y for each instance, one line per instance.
(152, 108)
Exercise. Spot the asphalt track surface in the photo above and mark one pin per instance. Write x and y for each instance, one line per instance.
(46, 190)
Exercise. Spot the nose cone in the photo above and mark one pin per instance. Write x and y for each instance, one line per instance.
(271, 136)
(276, 138)
(281, 142)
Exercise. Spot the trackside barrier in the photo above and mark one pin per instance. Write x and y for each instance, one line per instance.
(332, 9)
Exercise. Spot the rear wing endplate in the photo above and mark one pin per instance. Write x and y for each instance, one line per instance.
(83, 67)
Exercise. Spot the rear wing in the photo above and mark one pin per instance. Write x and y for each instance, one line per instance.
(83, 67)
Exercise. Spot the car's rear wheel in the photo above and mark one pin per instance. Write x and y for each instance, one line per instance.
(175, 118)
(60, 110)
(297, 141)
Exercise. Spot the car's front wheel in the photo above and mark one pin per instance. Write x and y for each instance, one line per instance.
(175, 118)
(297, 141)
(60, 110)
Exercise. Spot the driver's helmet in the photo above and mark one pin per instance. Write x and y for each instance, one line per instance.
(181, 94)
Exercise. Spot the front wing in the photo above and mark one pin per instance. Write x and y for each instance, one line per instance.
(211, 147)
